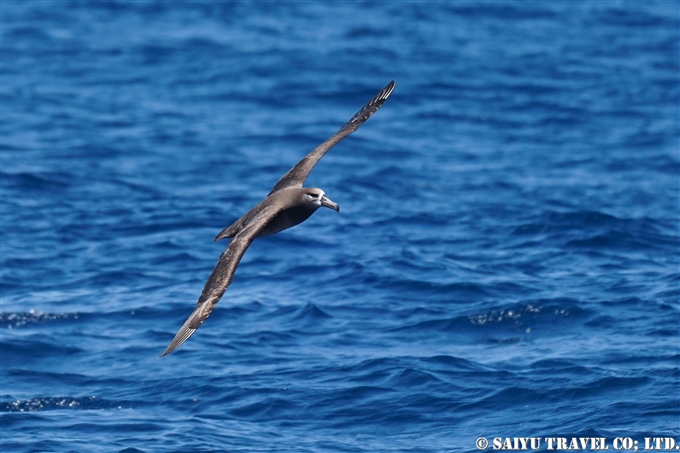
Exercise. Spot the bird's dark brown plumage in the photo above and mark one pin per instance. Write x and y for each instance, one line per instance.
(288, 204)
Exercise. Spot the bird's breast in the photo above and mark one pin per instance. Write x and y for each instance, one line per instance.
(287, 218)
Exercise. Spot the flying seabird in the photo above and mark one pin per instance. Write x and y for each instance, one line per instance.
(287, 205)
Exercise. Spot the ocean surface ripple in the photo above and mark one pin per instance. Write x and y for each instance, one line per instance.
(505, 262)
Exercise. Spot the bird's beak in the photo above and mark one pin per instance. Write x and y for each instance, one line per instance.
(325, 201)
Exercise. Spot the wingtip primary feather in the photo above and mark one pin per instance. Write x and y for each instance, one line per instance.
(190, 326)
(182, 336)
(384, 93)
(372, 106)
(389, 89)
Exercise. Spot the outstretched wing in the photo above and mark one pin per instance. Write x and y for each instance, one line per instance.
(221, 277)
(297, 175)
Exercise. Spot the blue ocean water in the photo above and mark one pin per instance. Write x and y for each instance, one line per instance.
(505, 262)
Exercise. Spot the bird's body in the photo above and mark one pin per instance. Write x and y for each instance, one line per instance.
(295, 206)
(288, 204)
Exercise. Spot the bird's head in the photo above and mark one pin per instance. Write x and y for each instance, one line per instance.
(318, 198)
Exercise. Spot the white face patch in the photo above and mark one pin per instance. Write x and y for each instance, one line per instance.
(315, 196)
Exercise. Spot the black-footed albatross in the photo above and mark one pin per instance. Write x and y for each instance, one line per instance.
(287, 205)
